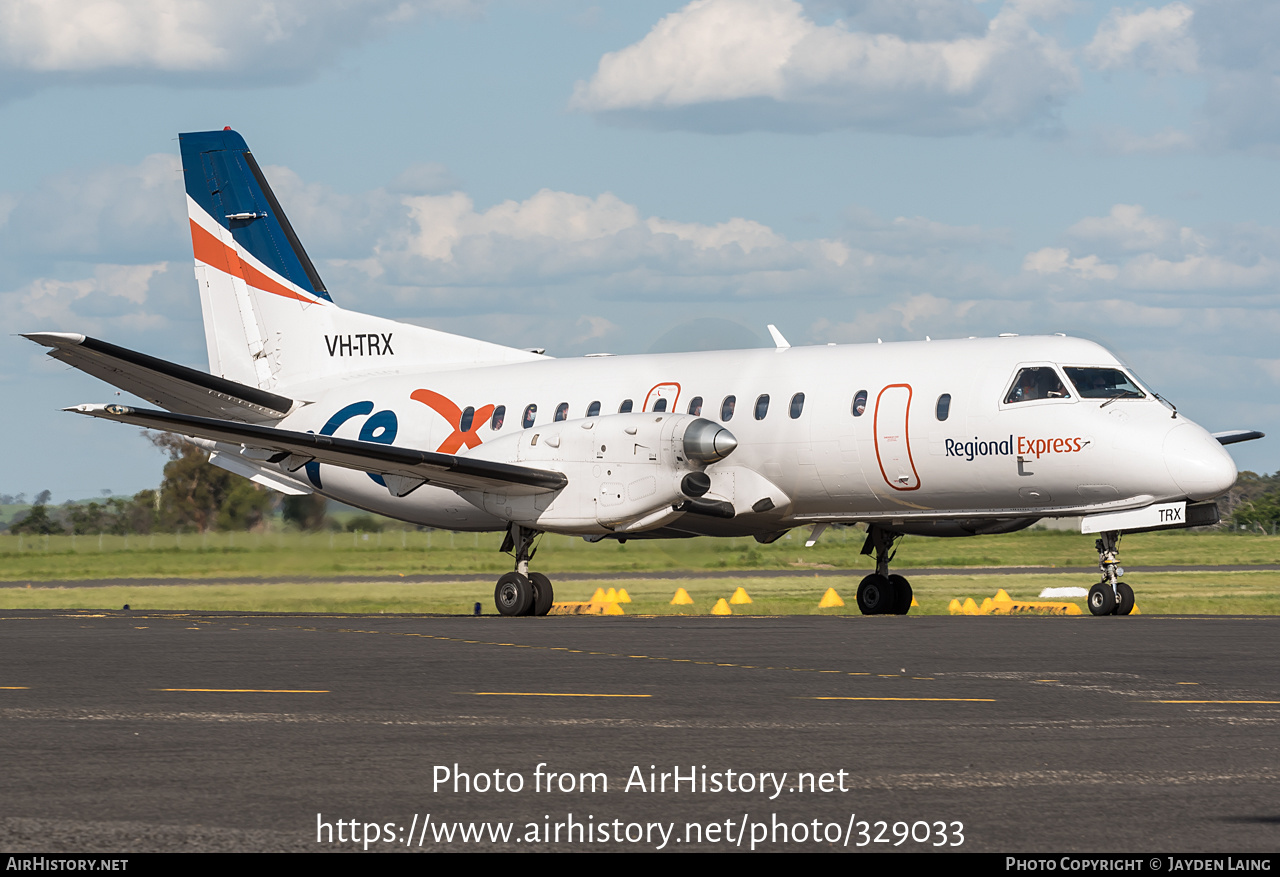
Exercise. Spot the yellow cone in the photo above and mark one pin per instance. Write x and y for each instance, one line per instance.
(681, 598)
(612, 609)
(970, 607)
(985, 608)
(623, 596)
(830, 600)
(954, 607)
(611, 597)
(739, 596)
(915, 604)
(1002, 596)
(598, 596)
(722, 608)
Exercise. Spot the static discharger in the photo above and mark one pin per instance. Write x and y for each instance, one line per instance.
(1003, 604)
(830, 600)
(740, 596)
(721, 607)
(681, 598)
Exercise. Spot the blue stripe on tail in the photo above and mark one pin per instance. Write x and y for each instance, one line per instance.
(224, 179)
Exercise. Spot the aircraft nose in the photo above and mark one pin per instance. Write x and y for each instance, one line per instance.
(1198, 463)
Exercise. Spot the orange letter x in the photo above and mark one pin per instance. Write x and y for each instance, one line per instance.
(453, 416)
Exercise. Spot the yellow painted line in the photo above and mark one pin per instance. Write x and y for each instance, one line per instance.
(249, 690)
(1213, 701)
(15, 687)
(1186, 683)
(947, 699)
(549, 694)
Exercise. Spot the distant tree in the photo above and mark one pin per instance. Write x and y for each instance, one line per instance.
(43, 497)
(86, 519)
(306, 512)
(38, 521)
(196, 495)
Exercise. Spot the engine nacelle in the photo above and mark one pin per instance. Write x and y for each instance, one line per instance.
(626, 472)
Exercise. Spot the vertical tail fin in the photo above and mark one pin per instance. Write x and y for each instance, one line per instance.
(246, 255)
(268, 320)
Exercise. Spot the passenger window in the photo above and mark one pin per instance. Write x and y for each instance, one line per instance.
(797, 405)
(562, 412)
(859, 403)
(726, 408)
(468, 415)
(762, 406)
(499, 414)
(625, 407)
(695, 407)
(529, 414)
(1037, 382)
(660, 404)
(944, 406)
(593, 409)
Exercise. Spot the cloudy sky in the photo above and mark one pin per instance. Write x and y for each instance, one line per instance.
(592, 177)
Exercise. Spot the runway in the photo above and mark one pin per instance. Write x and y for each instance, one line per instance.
(205, 731)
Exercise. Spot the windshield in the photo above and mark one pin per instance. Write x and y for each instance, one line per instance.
(1103, 383)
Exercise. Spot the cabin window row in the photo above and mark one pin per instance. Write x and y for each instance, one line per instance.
(728, 408)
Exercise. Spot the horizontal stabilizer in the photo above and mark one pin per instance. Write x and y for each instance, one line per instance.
(410, 467)
(1231, 436)
(167, 384)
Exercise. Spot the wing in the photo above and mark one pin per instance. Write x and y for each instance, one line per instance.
(1231, 436)
(165, 383)
(403, 469)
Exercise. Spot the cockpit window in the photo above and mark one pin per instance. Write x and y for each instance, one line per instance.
(1037, 382)
(1104, 383)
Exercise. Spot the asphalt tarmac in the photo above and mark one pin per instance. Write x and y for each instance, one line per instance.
(133, 732)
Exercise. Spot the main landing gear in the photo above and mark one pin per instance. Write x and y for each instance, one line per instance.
(1110, 596)
(882, 593)
(523, 592)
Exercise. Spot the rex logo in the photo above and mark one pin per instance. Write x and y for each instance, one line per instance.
(382, 426)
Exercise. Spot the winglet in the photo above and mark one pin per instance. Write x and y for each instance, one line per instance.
(777, 338)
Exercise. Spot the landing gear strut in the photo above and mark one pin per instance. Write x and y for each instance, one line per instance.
(523, 592)
(1110, 596)
(882, 593)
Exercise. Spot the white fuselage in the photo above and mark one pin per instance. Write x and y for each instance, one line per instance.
(897, 462)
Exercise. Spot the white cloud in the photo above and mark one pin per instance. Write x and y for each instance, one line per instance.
(240, 40)
(1156, 254)
(113, 212)
(80, 304)
(1052, 260)
(1157, 40)
(765, 64)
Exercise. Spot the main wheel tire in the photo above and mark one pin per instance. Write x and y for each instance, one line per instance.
(1127, 600)
(901, 594)
(876, 595)
(1102, 600)
(513, 595)
(543, 594)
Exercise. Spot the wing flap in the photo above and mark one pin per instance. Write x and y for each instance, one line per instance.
(409, 468)
(167, 384)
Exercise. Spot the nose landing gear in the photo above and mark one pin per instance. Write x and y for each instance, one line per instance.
(1110, 596)
(882, 593)
(523, 592)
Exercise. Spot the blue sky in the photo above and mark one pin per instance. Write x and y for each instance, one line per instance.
(591, 177)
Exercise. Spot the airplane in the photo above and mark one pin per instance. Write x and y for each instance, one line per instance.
(943, 438)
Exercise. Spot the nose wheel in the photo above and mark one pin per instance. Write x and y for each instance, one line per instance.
(522, 592)
(1110, 596)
